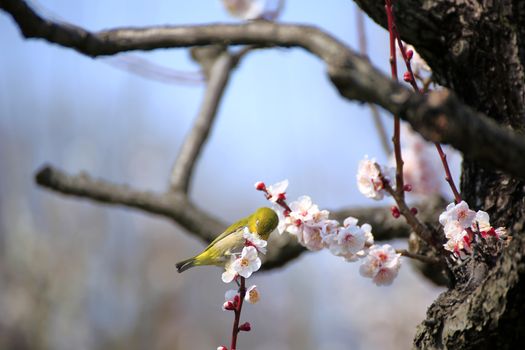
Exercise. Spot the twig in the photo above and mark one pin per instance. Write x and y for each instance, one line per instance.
(442, 155)
(423, 258)
(363, 49)
(192, 146)
(237, 310)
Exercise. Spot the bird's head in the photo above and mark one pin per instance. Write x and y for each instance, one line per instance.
(265, 221)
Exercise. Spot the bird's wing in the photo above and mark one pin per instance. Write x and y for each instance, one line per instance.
(239, 225)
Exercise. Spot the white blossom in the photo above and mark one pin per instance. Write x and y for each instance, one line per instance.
(482, 222)
(381, 264)
(458, 238)
(247, 263)
(277, 191)
(252, 295)
(245, 9)
(459, 212)
(369, 180)
(310, 236)
(258, 243)
(348, 241)
(229, 274)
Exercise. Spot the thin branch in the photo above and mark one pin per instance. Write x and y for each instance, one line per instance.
(423, 258)
(376, 116)
(438, 117)
(218, 79)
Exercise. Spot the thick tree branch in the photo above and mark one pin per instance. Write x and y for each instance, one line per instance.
(439, 117)
(219, 75)
(179, 208)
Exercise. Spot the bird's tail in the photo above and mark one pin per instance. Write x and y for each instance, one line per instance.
(185, 264)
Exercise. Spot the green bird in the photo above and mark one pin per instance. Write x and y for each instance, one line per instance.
(261, 224)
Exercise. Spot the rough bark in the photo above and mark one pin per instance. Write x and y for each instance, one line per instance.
(476, 48)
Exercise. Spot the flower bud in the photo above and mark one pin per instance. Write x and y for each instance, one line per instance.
(407, 77)
(246, 327)
(222, 348)
(236, 299)
(413, 211)
(260, 186)
(395, 212)
(407, 188)
(410, 54)
(228, 305)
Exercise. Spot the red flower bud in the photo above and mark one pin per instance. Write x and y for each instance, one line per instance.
(236, 300)
(246, 327)
(407, 77)
(395, 212)
(260, 186)
(410, 54)
(413, 211)
(222, 348)
(407, 188)
(228, 305)
(286, 213)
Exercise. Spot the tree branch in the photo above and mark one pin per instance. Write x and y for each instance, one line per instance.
(219, 75)
(439, 117)
(177, 207)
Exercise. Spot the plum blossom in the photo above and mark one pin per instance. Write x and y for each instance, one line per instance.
(245, 9)
(369, 180)
(277, 191)
(247, 263)
(459, 212)
(482, 223)
(458, 238)
(381, 264)
(348, 241)
(252, 295)
(304, 214)
(229, 274)
(252, 240)
(254, 9)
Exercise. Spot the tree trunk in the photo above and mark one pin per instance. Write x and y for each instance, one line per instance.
(477, 49)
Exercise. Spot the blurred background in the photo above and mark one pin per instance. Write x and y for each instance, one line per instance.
(79, 275)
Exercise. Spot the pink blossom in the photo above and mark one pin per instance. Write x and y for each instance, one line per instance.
(381, 264)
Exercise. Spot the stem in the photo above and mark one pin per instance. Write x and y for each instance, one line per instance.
(413, 82)
(396, 139)
(235, 330)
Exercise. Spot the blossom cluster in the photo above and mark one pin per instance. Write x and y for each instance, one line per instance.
(460, 224)
(315, 231)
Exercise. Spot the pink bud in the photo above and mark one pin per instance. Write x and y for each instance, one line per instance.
(410, 54)
(228, 305)
(395, 212)
(407, 188)
(260, 186)
(413, 211)
(246, 327)
(236, 299)
(222, 348)
(407, 77)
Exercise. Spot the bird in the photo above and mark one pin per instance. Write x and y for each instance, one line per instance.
(261, 223)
